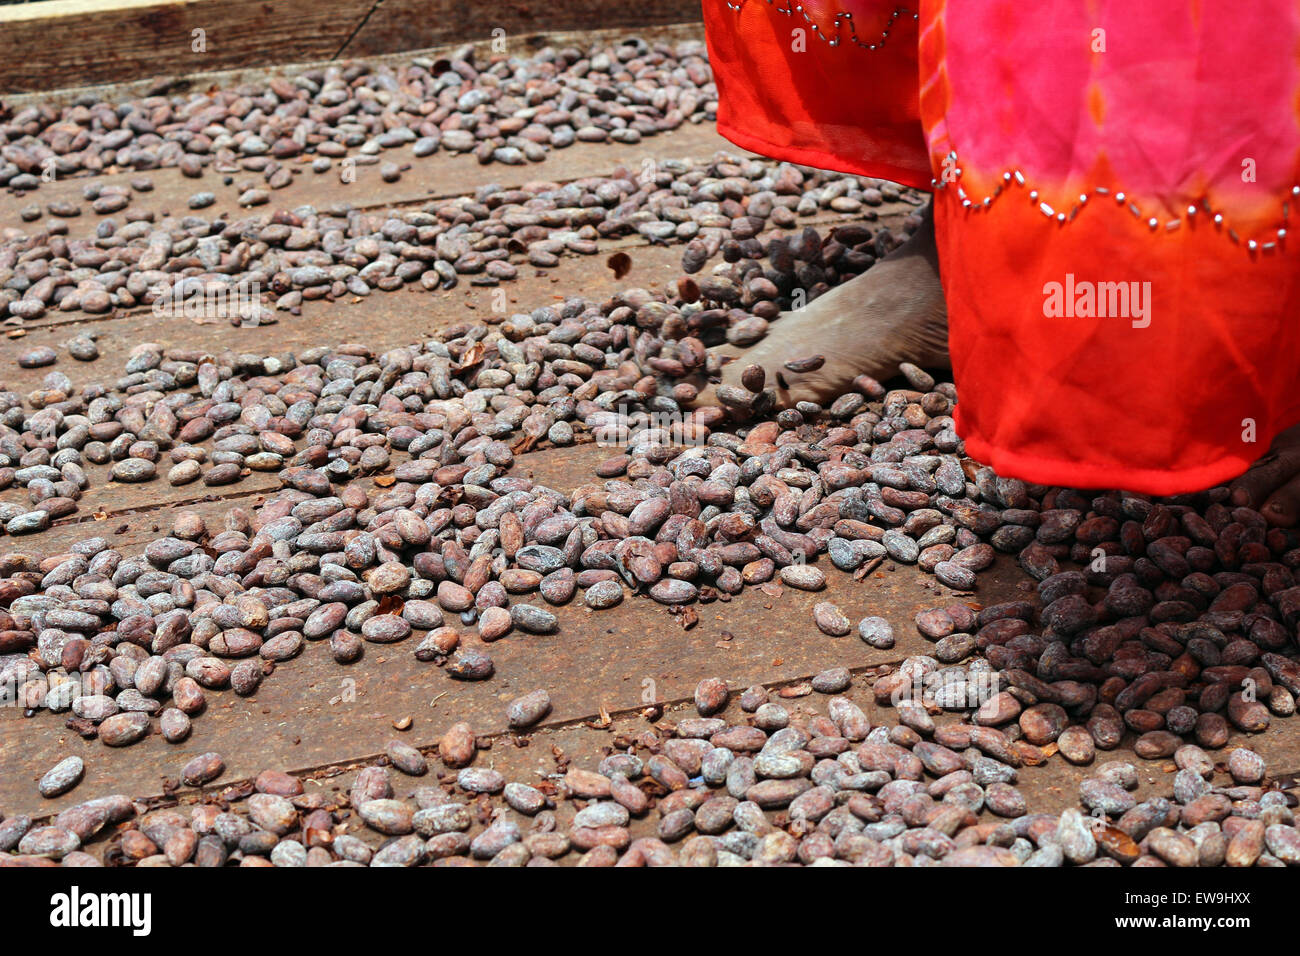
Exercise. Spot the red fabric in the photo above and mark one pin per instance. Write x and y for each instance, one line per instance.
(1181, 96)
(785, 92)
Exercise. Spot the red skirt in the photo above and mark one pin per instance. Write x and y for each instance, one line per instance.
(1113, 184)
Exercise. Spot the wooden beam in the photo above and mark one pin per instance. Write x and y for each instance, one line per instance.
(77, 43)
(411, 24)
(74, 42)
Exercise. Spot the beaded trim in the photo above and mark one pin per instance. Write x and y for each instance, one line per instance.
(1016, 177)
(841, 19)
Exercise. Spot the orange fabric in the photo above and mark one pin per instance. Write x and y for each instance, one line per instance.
(1183, 105)
(1097, 402)
(1165, 106)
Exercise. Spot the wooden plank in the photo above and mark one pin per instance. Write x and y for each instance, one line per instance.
(393, 319)
(67, 43)
(312, 711)
(390, 319)
(440, 176)
(130, 516)
(78, 42)
(548, 752)
(119, 89)
(404, 24)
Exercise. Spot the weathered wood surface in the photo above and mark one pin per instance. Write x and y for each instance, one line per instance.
(412, 24)
(81, 42)
(313, 713)
(305, 714)
(439, 177)
(78, 43)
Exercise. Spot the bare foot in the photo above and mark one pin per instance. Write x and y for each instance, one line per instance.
(1272, 484)
(894, 312)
